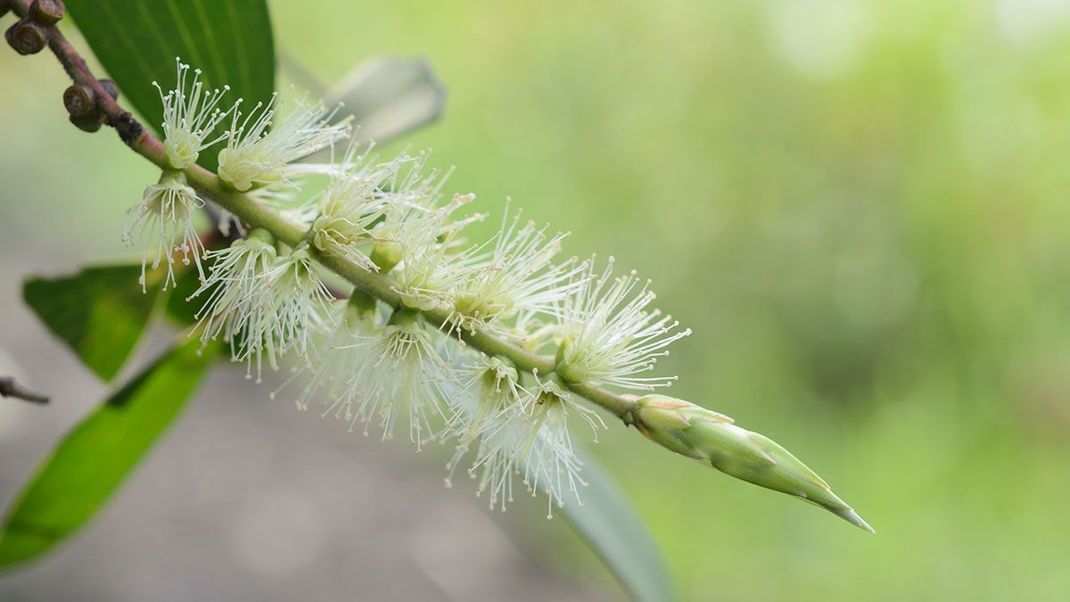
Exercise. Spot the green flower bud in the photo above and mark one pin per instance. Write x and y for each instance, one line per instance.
(387, 254)
(713, 438)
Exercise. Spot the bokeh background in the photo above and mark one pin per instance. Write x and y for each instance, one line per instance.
(859, 207)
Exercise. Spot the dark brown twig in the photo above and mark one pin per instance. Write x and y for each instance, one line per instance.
(10, 388)
(130, 131)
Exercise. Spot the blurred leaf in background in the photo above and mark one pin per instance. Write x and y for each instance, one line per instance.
(92, 461)
(99, 312)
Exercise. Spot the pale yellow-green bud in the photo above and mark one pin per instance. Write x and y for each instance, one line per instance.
(712, 438)
(387, 254)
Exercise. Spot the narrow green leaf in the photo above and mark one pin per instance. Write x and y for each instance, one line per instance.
(100, 312)
(137, 42)
(610, 526)
(92, 460)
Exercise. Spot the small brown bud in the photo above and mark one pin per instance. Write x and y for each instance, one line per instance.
(26, 37)
(110, 87)
(79, 101)
(4, 7)
(47, 12)
(88, 123)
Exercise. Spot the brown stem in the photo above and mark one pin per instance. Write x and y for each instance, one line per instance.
(130, 131)
(10, 388)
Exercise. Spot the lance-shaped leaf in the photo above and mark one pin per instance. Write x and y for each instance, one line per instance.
(390, 96)
(93, 459)
(387, 96)
(100, 312)
(137, 42)
(609, 525)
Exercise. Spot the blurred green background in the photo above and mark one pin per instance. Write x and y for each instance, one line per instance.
(859, 207)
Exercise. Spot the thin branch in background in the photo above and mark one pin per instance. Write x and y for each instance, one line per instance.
(10, 388)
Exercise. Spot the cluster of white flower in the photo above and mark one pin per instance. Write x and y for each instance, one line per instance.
(403, 366)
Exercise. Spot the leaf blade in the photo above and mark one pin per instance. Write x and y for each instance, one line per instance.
(137, 42)
(95, 457)
(616, 534)
(99, 312)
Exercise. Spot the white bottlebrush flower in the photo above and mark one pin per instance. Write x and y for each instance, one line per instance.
(190, 116)
(530, 438)
(404, 378)
(356, 198)
(261, 147)
(237, 287)
(493, 385)
(495, 396)
(414, 217)
(430, 261)
(608, 336)
(261, 304)
(551, 465)
(301, 301)
(163, 221)
(516, 275)
(342, 352)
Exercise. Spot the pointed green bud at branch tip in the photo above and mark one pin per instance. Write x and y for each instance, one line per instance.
(713, 438)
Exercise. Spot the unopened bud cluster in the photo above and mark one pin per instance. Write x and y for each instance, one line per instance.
(29, 35)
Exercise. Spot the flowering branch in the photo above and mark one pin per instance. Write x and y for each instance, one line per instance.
(263, 296)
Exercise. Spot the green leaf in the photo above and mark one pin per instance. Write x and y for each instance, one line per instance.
(178, 309)
(137, 42)
(100, 312)
(610, 526)
(92, 460)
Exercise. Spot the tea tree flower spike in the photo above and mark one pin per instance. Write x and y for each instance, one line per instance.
(713, 439)
(506, 298)
(190, 115)
(163, 221)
